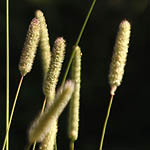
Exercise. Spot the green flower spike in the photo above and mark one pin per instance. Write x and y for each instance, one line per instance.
(74, 102)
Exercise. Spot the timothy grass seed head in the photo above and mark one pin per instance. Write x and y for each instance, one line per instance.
(44, 42)
(50, 82)
(119, 56)
(74, 102)
(30, 47)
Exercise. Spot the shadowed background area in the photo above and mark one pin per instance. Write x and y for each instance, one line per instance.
(129, 123)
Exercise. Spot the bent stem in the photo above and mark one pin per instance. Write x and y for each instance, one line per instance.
(77, 42)
(12, 112)
(105, 123)
(7, 71)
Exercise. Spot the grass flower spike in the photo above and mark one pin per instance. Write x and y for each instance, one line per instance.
(49, 141)
(74, 102)
(51, 79)
(30, 47)
(44, 42)
(43, 124)
(49, 85)
(119, 56)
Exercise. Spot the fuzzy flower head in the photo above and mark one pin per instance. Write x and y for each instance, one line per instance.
(44, 42)
(119, 56)
(30, 47)
(50, 82)
(46, 121)
(75, 100)
(49, 140)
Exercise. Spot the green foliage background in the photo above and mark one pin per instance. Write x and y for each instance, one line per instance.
(129, 124)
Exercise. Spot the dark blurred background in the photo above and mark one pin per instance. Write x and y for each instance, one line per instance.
(129, 123)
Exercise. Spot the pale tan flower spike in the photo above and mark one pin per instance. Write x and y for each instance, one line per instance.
(74, 102)
(119, 56)
(44, 123)
(50, 82)
(49, 140)
(44, 42)
(30, 47)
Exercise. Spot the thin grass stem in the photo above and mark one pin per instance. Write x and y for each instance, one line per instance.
(43, 107)
(85, 22)
(71, 145)
(34, 145)
(77, 42)
(105, 123)
(7, 72)
(12, 112)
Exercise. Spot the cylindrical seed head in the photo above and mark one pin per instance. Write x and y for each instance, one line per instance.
(49, 140)
(119, 56)
(50, 82)
(44, 122)
(44, 42)
(74, 102)
(30, 47)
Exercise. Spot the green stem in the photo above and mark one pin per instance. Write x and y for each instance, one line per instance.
(7, 71)
(34, 145)
(77, 42)
(43, 107)
(85, 22)
(105, 123)
(12, 112)
(71, 145)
